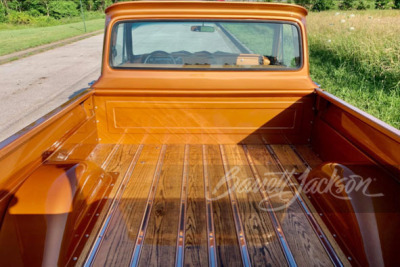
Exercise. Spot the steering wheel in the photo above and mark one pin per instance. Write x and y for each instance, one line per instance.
(165, 58)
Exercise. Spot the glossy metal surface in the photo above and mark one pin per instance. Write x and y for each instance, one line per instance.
(50, 212)
(366, 227)
(372, 137)
(198, 120)
(26, 150)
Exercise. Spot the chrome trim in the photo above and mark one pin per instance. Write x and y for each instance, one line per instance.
(238, 222)
(212, 253)
(180, 241)
(150, 200)
(321, 235)
(93, 252)
(274, 218)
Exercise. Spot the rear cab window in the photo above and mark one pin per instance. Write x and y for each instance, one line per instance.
(205, 45)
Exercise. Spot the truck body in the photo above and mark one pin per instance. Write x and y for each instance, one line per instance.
(204, 142)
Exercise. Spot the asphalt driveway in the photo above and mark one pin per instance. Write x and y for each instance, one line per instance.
(33, 86)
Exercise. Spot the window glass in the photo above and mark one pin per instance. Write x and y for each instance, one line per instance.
(205, 45)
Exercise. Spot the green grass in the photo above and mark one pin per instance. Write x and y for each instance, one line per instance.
(356, 56)
(17, 38)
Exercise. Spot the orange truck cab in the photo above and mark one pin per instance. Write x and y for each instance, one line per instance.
(203, 142)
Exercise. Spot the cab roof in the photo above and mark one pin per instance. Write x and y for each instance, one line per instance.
(204, 9)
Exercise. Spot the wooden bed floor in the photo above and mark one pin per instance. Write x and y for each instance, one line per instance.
(200, 205)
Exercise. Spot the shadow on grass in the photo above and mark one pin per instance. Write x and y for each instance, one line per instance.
(347, 78)
(325, 59)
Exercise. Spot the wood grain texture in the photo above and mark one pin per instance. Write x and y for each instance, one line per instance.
(303, 242)
(119, 163)
(263, 245)
(159, 246)
(227, 247)
(308, 155)
(119, 239)
(160, 241)
(196, 232)
(313, 160)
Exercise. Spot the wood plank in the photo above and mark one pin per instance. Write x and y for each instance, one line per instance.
(309, 156)
(313, 160)
(263, 245)
(120, 237)
(159, 246)
(196, 226)
(102, 151)
(227, 248)
(119, 163)
(303, 242)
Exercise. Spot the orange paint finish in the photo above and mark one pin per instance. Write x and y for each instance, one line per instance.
(373, 140)
(222, 81)
(364, 226)
(49, 195)
(228, 120)
(25, 151)
(49, 213)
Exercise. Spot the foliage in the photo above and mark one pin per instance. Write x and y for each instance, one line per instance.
(3, 17)
(347, 4)
(31, 11)
(322, 5)
(61, 9)
(359, 59)
(19, 17)
(362, 5)
(381, 4)
(305, 3)
(396, 4)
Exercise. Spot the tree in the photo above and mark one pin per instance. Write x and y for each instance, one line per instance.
(397, 4)
(321, 5)
(305, 3)
(61, 9)
(347, 4)
(3, 13)
(362, 5)
(381, 4)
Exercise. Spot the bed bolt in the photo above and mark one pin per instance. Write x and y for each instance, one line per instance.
(311, 122)
(86, 235)
(97, 121)
(95, 107)
(75, 258)
(349, 258)
(308, 140)
(334, 235)
(142, 162)
(320, 214)
(97, 214)
(111, 184)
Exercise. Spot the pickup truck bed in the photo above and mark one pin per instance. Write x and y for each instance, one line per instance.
(202, 157)
(157, 211)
